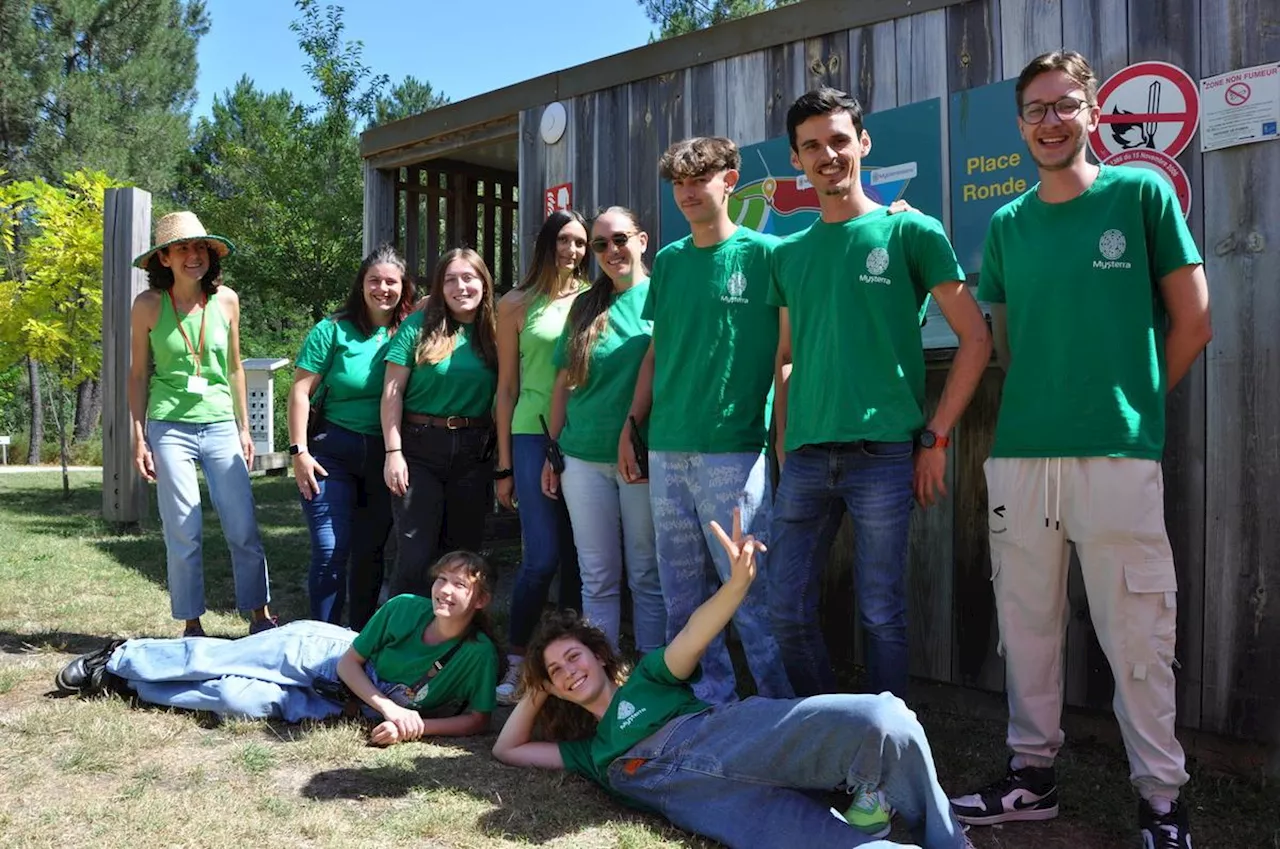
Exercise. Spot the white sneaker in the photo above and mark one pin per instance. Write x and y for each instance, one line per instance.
(507, 686)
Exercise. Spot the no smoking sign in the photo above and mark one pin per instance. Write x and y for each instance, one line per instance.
(1146, 106)
(1238, 94)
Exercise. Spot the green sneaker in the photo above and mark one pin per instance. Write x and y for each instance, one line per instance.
(869, 813)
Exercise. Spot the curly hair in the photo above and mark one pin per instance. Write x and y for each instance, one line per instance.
(559, 719)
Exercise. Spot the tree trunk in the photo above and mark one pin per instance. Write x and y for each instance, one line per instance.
(37, 414)
(88, 408)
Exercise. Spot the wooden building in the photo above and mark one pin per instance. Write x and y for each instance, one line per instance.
(476, 171)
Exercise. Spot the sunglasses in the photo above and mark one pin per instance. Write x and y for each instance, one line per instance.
(619, 241)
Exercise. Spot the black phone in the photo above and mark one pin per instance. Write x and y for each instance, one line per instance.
(554, 455)
(642, 450)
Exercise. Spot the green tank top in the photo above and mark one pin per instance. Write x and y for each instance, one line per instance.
(169, 398)
(543, 324)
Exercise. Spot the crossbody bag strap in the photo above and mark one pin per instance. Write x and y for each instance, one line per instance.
(435, 668)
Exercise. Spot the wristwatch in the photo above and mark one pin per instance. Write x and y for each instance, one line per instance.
(929, 439)
(296, 449)
(499, 474)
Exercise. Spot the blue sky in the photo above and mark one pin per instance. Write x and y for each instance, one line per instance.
(461, 47)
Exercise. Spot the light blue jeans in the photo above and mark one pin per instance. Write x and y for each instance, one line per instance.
(687, 491)
(176, 449)
(612, 523)
(266, 675)
(750, 773)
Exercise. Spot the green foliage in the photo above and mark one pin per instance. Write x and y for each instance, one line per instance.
(103, 85)
(677, 17)
(408, 98)
(52, 310)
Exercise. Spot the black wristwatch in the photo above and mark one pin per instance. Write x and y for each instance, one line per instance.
(500, 474)
(929, 439)
(296, 449)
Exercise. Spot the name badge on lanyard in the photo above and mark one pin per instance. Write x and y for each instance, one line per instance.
(196, 384)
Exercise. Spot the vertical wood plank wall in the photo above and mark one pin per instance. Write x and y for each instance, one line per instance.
(1222, 462)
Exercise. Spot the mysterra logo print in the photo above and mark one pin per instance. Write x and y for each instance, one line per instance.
(1112, 246)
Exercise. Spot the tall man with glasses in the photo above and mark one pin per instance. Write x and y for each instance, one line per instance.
(708, 377)
(1100, 307)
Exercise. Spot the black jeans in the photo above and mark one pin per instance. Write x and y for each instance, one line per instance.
(445, 505)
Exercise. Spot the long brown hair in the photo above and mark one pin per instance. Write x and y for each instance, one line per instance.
(589, 315)
(440, 329)
(543, 279)
(484, 579)
(559, 719)
(355, 310)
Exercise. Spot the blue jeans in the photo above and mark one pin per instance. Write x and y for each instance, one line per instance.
(688, 491)
(349, 519)
(742, 773)
(546, 538)
(873, 481)
(613, 524)
(176, 449)
(264, 675)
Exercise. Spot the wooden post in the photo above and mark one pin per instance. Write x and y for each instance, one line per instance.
(379, 206)
(126, 232)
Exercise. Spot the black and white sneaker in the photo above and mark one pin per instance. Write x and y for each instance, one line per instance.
(1163, 831)
(1030, 793)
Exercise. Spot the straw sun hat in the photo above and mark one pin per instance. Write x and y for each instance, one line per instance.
(183, 227)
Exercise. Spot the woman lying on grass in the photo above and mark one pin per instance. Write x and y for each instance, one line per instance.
(417, 655)
(739, 772)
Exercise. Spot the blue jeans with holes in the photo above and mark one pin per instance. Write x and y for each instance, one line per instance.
(687, 491)
(750, 773)
(872, 480)
(349, 519)
(177, 448)
(546, 538)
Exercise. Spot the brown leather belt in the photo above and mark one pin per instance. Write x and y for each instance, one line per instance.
(449, 422)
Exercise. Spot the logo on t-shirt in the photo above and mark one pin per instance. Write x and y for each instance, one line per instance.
(735, 286)
(627, 713)
(1112, 246)
(877, 262)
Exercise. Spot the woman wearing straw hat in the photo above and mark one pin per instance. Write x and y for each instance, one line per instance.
(193, 406)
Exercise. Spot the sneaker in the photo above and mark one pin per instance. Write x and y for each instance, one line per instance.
(1030, 793)
(510, 682)
(869, 813)
(1163, 831)
(87, 674)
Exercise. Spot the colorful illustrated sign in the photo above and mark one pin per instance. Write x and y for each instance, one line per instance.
(1149, 105)
(772, 197)
(989, 165)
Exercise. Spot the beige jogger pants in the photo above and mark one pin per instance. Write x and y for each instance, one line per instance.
(1112, 509)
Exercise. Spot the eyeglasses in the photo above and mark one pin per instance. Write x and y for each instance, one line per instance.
(619, 241)
(1065, 108)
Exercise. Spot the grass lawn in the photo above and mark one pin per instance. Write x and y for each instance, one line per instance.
(98, 772)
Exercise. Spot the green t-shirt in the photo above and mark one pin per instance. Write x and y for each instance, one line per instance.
(167, 397)
(392, 642)
(351, 367)
(543, 324)
(715, 337)
(855, 293)
(461, 384)
(1085, 317)
(597, 411)
(650, 698)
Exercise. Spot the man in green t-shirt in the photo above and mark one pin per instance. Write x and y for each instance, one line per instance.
(1101, 307)
(852, 432)
(705, 386)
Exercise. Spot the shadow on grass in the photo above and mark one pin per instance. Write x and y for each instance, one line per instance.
(49, 642)
(529, 805)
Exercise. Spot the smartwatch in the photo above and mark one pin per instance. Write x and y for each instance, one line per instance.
(929, 439)
(296, 449)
